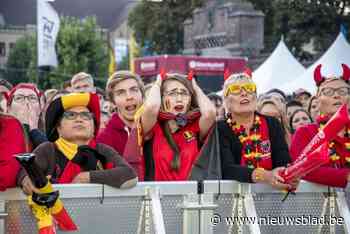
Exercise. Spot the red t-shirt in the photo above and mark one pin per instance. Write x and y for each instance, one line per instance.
(12, 141)
(186, 139)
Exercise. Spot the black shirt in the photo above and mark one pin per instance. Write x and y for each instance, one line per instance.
(231, 148)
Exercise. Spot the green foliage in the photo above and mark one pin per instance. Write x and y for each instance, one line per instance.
(80, 47)
(19, 60)
(160, 25)
(124, 64)
(302, 21)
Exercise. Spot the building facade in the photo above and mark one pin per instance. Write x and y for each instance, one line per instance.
(225, 28)
(8, 38)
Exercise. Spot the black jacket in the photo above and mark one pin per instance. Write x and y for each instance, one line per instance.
(231, 147)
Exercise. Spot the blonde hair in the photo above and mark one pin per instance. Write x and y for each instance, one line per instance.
(81, 76)
(282, 114)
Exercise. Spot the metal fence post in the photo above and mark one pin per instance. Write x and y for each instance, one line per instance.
(329, 203)
(332, 204)
(207, 213)
(190, 214)
(3, 215)
(144, 225)
(157, 214)
(344, 211)
(250, 210)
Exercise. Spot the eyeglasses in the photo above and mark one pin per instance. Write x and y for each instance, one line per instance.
(21, 98)
(175, 94)
(342, 91)
(71, 115)
(236, 89)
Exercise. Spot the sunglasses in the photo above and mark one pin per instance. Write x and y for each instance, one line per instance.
(236, 89)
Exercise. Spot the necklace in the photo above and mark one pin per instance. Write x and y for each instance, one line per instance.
(334, 157)
(251, 150)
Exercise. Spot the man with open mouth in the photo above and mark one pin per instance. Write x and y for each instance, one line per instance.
(126, 91)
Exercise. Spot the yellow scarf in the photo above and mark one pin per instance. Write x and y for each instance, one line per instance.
(67, 148)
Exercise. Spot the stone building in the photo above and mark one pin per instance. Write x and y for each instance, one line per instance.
(8, 38)
(225, 28)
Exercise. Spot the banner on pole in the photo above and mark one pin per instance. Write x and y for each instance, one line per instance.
(48, 23)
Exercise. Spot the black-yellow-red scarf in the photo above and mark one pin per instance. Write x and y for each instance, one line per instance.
(83, 158)
(133, 152)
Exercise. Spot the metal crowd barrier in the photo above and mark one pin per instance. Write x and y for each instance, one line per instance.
(189, 208)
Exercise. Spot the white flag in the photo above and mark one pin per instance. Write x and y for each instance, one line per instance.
(48, 23)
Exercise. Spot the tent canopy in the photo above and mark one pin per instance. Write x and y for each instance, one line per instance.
(280, 68)
(331, 60)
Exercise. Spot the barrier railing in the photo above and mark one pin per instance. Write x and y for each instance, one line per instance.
(189, 208)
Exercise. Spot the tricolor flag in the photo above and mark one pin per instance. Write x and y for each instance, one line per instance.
(48, 24)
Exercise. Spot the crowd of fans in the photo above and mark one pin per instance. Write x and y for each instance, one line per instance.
(130, 132)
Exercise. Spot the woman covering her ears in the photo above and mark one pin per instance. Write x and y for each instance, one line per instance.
(174, 123)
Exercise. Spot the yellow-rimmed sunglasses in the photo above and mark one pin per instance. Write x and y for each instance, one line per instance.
(235, 89)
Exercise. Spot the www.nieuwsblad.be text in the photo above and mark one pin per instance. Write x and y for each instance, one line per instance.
(304, 220)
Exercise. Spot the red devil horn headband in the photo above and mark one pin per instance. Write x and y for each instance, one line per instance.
(248, 72)
(163, 74)
(226, 74)
(190, 75)
(346, 72)
(319, 78)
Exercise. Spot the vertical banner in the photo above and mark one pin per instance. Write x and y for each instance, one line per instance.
(133, 52)
(112, 62)
(120, 49)
(48, 24)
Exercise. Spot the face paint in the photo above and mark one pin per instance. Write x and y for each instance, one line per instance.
(167, 105)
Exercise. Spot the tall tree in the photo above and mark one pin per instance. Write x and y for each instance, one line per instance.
(313, 21)
(159, 25)
(302, 22)
(19, 60)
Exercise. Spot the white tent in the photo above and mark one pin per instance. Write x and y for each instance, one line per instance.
(280, 68)
(331, 60)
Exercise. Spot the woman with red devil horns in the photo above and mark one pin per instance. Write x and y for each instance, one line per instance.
(332, 93)
(175, 121)
(252, 146)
